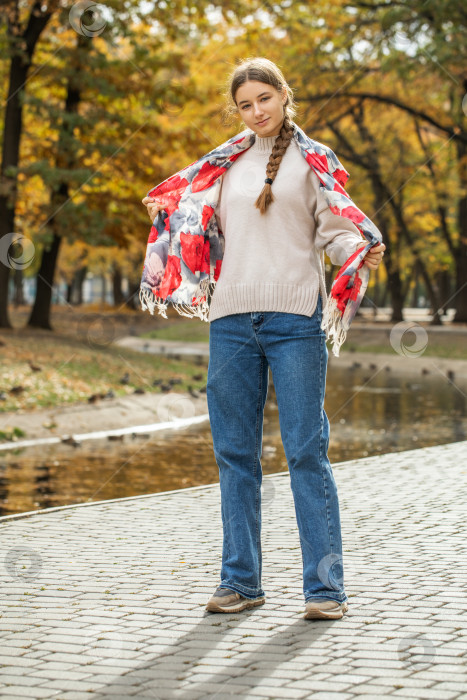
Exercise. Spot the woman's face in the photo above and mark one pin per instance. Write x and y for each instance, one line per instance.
(261, 107)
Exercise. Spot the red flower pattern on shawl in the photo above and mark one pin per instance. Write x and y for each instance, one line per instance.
(172, 277)
(352, 213)
(153, 235)
(205, 263)
(207, 175)
(207, 213)
(320, 162)
(169, 192)
(341, 291)
(195, 251)
(217, 269)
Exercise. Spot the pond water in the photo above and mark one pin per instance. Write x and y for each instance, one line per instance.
(370, 413)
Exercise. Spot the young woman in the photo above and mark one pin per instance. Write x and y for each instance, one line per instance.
(266, 311)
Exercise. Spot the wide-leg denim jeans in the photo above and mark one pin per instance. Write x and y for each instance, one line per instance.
(242, 347)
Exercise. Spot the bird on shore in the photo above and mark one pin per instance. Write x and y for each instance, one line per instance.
(17, 389)
(95, 397)
(70, 440)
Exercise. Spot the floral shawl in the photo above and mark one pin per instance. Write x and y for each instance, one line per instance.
(186, 246)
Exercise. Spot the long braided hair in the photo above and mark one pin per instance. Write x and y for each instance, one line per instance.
(265, 71)
(280, 146)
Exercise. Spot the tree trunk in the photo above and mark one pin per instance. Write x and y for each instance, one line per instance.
(376, 292)
(40, 314)
(132, 302)
(22, 49)
(459, 250)
(75, 288)
(8, 183)
(385, 294)
(445, 286)
(460, 294)
(395, 292)
(416, 285)
(119, 299)
(443, 283)
(19, 293)
(80, 277)
(103, 289)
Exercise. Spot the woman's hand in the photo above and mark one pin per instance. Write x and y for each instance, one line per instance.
(153, 206)
(374, 256)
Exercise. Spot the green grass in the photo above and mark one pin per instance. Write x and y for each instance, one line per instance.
(71, 370)
(189, 331)
(11, 434)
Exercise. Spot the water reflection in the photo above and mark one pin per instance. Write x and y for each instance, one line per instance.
(370, 411)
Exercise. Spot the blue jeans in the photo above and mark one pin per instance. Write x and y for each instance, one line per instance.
(242, 347)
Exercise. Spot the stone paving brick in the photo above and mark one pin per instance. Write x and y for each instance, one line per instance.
(12, 670)
(377, 663)
(439, 675)
(447, 685)
(380, 672)
(74, 695)
(331, 696)
(422, 693)
(12, 679)
(68, 684)
(278, 693)
(23, 691)
(115, 691)
(352, 678)
(378, 696)
(365, 690)
(18, 661)
(409, 682)
(375, 654)
(158, 560)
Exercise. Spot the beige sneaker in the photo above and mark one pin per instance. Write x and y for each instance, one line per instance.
(324, 609)
(224, 600)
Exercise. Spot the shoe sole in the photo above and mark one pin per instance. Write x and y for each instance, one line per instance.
(317, 614)
(237, 607)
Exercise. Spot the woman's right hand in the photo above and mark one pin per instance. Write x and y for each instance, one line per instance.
(153, 206)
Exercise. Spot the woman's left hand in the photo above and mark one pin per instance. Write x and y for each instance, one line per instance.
(374, 256)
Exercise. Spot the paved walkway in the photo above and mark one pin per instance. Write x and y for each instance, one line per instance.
(106, 600)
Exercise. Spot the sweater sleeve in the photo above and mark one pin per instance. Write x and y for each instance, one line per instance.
(337, 235)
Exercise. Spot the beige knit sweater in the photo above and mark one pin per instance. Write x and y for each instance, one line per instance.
(275, 261)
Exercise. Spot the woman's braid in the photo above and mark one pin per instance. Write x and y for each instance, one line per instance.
(280, 146)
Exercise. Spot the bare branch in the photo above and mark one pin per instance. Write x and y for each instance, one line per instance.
(454, 132)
